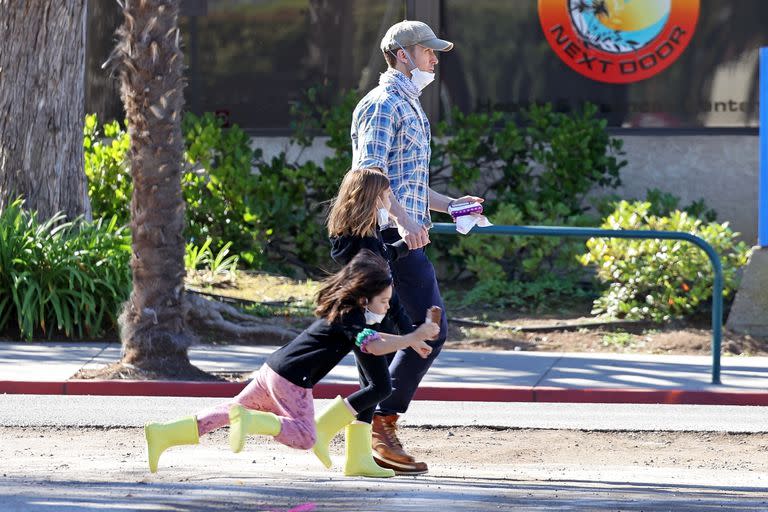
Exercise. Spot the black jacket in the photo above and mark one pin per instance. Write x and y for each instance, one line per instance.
(319, 349)
(344, 248)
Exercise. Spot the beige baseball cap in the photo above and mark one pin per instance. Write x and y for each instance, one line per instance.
(409, 33)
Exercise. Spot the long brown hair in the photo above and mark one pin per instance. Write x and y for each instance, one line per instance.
(364, 277)
(353, 210)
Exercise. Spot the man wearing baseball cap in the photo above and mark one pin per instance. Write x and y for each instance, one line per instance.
(410, 33)
(391, 132)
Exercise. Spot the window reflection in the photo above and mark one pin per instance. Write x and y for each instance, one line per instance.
(248, 59)
(503, 62)
(252, 58)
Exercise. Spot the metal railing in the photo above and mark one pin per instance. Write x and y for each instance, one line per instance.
(560, 231)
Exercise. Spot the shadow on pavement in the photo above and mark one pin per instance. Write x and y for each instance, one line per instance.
(400, 494)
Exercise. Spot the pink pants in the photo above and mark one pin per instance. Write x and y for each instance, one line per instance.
(269, 392)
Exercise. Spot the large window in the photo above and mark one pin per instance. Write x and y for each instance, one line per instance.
(503, 61)
(249, 59)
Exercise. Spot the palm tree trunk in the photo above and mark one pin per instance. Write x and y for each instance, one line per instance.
(152, 326)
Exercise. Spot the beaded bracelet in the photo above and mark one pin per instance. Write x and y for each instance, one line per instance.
(364, 337)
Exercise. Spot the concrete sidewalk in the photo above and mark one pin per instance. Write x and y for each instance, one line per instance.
(464, 375)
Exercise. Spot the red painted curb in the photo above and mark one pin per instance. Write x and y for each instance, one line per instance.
(650, 396)
(229, 389)
(447, 394)
(152, 388)
(443, 393)
(15, 387)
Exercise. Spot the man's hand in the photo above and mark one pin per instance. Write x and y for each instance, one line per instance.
(415, 235)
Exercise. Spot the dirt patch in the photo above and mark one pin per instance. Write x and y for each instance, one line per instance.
(568, 327)
(661, 449)
(473, 469)
(666, 339)
(448, 450)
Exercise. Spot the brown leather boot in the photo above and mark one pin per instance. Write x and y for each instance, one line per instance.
(388, 451)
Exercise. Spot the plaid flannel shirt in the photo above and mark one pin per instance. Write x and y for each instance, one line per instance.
(391, 132)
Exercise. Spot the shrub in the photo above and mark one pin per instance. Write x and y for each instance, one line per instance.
(205, 267)
(539, 175)
(270, 211)
(217, 181)
(71, 279)
(660, 279)
(298, 233)
(61, 278)
(107, 170)
(557, 158)
(662, 204)
(218, 186)
(521, 272)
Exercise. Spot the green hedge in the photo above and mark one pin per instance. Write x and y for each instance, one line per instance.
(536, 175)
(660, 279)
(61, 278)
(271, 213)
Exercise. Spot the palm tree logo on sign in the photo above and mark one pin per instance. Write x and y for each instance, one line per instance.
(618, 41)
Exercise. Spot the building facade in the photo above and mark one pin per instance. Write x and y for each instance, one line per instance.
(676, 79)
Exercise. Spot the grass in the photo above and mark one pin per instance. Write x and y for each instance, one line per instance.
(274, 295)
(619, 339)
(284, 298)
(278, 295)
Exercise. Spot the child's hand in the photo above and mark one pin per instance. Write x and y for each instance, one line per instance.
(428, 331)
(421, 348)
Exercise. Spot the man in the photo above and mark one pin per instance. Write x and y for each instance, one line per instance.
(390, 132)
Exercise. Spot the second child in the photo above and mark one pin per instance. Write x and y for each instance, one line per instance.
(356, 214)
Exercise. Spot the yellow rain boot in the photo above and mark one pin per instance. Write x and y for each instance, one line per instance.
(244, 422)
(161, 436)
(327, 423)
(359, 456)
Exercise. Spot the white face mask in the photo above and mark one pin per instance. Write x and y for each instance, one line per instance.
(420, 78)
(382, 215)
(373, 318)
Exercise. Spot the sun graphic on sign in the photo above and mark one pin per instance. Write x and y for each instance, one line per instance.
(619, 26)
(618, 41)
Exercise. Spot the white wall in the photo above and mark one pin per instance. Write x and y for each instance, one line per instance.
(721, 169)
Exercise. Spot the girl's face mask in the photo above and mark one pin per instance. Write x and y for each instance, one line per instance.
(373, 318)
(382, 215)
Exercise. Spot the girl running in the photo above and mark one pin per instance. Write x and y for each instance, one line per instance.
(278, 401)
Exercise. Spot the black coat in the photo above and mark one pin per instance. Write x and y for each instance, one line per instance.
(344, 248)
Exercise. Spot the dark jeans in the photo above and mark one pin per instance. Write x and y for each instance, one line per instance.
(417, 288)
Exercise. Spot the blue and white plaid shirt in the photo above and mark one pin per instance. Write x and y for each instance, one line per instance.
(390, 131)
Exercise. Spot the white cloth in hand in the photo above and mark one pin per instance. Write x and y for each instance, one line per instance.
(467, 222)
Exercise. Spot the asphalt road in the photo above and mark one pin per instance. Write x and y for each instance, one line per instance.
(131, 411)
(86, 453)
